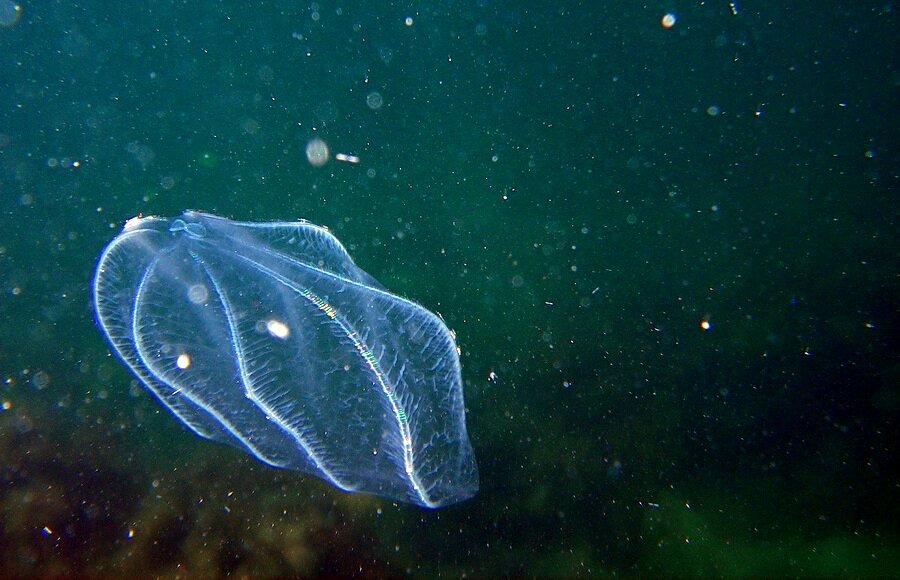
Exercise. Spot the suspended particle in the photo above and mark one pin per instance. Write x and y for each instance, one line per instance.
(346, 158)
(278, 329)
(183, 361)
(317, 152)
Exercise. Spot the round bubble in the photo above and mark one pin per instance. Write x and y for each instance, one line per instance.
(198, 294)
(40, 380)
(374, 100)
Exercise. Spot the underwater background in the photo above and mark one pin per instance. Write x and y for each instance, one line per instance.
(664, 234)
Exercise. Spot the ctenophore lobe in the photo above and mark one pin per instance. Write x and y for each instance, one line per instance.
(267, 337)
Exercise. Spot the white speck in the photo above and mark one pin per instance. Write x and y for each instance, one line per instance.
(183, 361)
(278, 329)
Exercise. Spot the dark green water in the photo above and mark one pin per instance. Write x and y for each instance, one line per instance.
(573, 187)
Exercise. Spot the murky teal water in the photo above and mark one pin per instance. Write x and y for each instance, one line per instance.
(669, 257)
